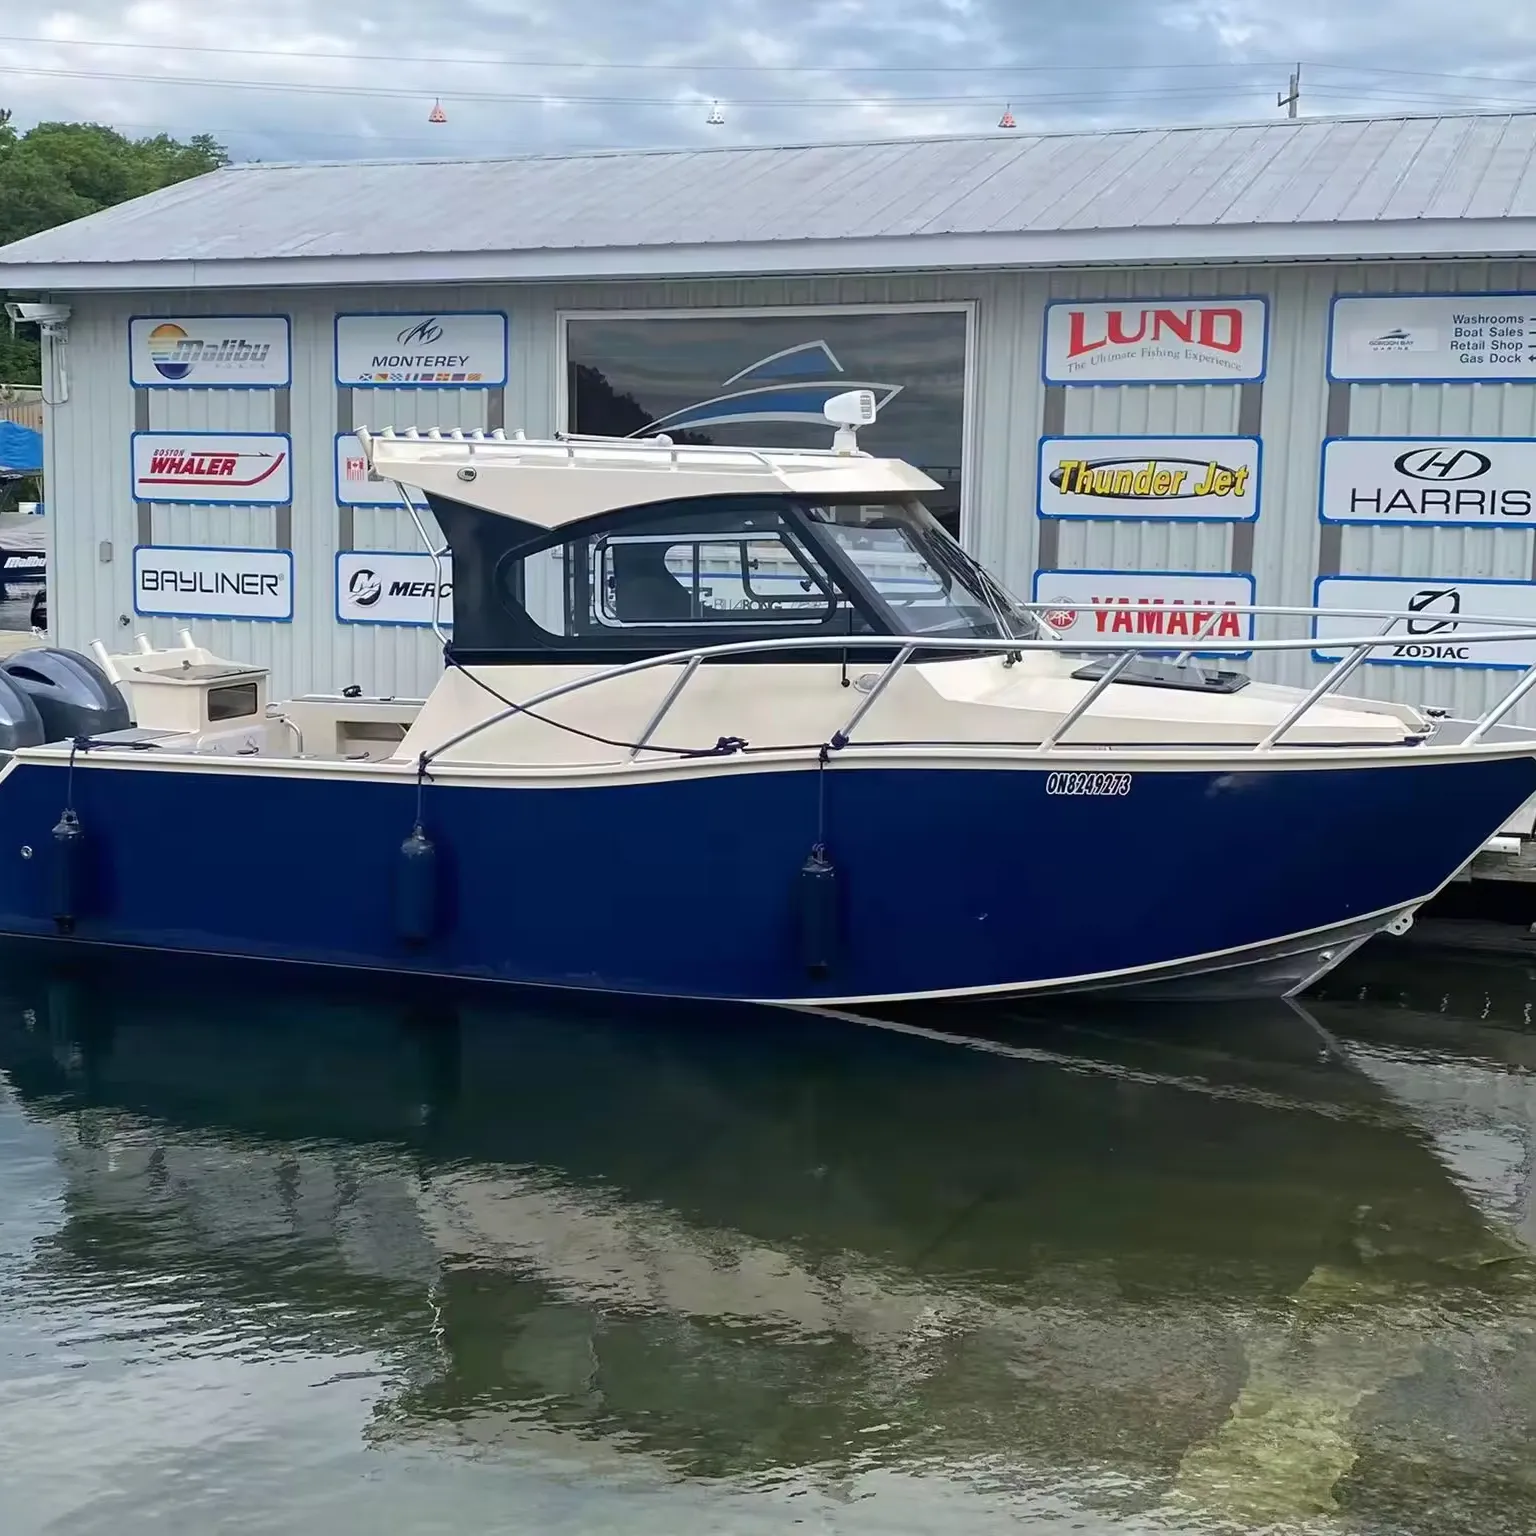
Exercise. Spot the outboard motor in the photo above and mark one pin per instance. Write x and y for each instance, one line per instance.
(71, 694)
(20, 723)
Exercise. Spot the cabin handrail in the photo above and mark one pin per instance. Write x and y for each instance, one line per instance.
(1357, 648)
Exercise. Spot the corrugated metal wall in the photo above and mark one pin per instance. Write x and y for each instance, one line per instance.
(95, 524)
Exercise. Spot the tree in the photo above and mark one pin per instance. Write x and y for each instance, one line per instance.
(56, 172)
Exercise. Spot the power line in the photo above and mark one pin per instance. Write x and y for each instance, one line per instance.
(316, 88)
(693, 67)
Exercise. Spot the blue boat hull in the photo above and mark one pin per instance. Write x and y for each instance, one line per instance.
(948, 880)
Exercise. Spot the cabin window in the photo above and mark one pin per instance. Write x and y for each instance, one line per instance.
(234, 702)
(691, 567)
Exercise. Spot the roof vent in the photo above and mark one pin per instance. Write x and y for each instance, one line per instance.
(1007, 119)
(437, 115)
(716, 116)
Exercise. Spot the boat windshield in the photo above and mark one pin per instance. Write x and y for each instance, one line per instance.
(916, 571)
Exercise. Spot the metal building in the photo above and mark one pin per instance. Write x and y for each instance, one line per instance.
(1120, 353)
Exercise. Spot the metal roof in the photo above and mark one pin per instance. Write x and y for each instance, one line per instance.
(1318, 189)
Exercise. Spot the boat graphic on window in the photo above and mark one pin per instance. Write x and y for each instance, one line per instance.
(793, 385)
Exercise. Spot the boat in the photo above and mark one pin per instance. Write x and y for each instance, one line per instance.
(744, 724)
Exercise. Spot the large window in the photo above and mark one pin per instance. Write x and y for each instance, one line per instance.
(762, 380)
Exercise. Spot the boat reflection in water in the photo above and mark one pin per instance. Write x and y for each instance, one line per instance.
(1074, 1269)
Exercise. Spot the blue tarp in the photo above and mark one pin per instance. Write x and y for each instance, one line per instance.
(21, 449)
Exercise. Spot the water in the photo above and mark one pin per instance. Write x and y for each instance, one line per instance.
(319, 1260)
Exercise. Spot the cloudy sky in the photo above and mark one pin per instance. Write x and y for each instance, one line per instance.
(285, 79)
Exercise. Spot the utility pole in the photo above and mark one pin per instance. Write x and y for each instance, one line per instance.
(1291, 102)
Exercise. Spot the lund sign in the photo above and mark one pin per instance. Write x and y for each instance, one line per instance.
(1208, 479)
(213, 583)
(210, 352)
(1143, 605)
(1442, 613)
(1164, 341)
(252, 469)
(1471, 482)
(1487, 337)
(378, 587)
(429, 351)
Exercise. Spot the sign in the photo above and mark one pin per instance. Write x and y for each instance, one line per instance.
(1443, 611)
(1451, 339)
(1195, 479)
(357, 485)
(1471, 482)
(376, 587)
(1162, 341)
(210, 352)
(23, 565)
(213, 583)
(445, 349)
(229, 469)
(1146, 604)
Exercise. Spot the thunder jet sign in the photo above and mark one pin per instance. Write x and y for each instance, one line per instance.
(1190, 479)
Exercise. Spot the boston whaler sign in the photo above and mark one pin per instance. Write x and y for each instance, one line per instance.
(1197, 479)
(1146, 605)
(252, 469)
(213, 583)
(443, 349)
(1161, 341)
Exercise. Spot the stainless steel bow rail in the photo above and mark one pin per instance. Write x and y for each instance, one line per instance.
(1357, 650)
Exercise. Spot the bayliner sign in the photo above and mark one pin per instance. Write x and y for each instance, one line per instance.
(444, 349)
(1196, 479)
(1442, 613)
(1442, 339)
(210, 352)
(252, 469)
(213, 583)
(378, 587)
(1101, 605)
(1164, 341)
(1472, 482)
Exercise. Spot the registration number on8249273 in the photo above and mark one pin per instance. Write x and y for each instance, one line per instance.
(1087, 783)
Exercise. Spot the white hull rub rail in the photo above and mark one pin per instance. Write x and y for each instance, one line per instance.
(1357, 649)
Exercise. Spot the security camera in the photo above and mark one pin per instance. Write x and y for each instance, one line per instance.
(51, 317)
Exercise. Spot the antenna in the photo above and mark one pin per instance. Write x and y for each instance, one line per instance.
(1007, 119)
(437, 115)
(716, 116)
(1292, 101)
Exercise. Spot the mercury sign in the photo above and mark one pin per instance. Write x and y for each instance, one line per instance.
(1444, 339)
(441, 350)
(213, 583)
(1167, 341)
(380, 587)
(209, 352)
(1466, 482)
(1143, 605)
(1193, 479)
(230, 469)
(1442, 612)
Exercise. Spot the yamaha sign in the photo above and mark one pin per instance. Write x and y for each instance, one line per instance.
(1465, 482)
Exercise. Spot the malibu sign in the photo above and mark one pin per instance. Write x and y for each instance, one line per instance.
(1178, 341)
